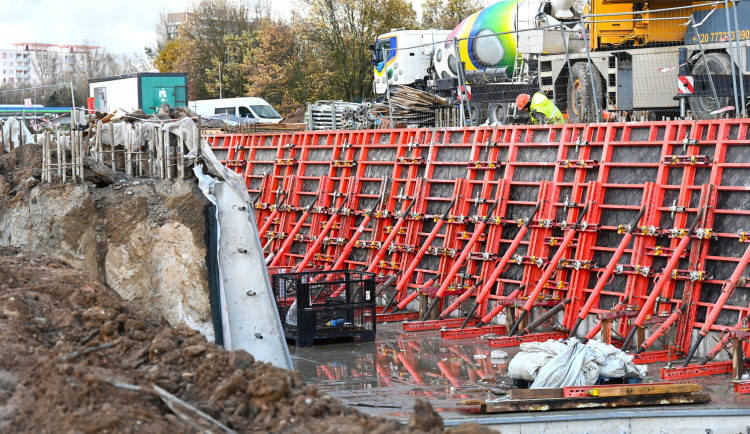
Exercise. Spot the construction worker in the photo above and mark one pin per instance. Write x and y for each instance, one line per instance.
(540, 107)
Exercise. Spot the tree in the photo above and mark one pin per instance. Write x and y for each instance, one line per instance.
(169, 57)
(447, 14)
(340, 31)
(59, 98)
(203, 40)
(46, 66)
(233, 79)
(284, 69)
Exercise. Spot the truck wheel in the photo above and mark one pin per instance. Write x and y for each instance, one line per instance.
(496, 112)
(581, 106)
(478, 113)
(702, 106)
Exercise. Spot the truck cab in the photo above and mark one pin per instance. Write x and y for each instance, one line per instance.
(402, 57)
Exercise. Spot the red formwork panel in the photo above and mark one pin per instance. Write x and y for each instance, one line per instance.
(673, 168)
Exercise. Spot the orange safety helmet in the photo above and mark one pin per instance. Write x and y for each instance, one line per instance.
(522, 101)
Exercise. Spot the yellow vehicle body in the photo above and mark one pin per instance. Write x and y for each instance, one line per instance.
(657, 28)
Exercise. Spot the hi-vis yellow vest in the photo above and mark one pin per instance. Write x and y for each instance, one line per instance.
(543, 105)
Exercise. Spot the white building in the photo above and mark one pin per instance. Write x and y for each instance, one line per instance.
(174, 21)
(28, 61)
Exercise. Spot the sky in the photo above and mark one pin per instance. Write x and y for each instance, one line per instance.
(122, 27)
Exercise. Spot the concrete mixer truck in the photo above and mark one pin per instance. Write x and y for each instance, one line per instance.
(658, 58)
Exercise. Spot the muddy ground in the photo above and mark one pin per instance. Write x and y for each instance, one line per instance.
(145, 238)
(76, 357)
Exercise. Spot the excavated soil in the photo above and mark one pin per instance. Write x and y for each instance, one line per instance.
(145, 238)
(76, 357)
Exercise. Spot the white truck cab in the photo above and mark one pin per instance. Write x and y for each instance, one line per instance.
(244, 107)
(403, 56)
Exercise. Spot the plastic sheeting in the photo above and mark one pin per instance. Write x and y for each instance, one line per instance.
(11, 129)
(572, 363)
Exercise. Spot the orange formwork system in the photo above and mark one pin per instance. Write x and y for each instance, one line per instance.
(450, 177)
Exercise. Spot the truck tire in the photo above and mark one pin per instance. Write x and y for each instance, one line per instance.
(581, 106)
(702, 106)
(477, 113)
(496, 112)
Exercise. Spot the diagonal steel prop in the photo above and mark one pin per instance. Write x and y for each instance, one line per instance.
(319, 240)
(276, 256)
(362, 226)
(404, 280)
(551, 267)
(662, 282)
(478, 231)
(726, 291)
(273, 215)
(387, 243)
(501, 266)
(603, 278)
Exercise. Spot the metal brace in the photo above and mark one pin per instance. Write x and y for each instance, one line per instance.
(674, 208)
(649, 230)
(688, 142)
(568, 204)
(704, 233)
(580, 142)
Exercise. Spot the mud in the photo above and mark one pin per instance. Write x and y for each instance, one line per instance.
(142, 237)
(76, 357)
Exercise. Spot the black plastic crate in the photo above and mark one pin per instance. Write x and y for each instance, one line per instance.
(326, 304)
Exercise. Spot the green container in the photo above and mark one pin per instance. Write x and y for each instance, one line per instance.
(146, 91)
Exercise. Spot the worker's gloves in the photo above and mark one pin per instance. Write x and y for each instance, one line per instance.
(540, 118)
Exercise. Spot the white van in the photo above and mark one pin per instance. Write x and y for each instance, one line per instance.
(245, 107)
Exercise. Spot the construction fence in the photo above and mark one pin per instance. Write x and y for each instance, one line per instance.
(143, 149)
(611, 64)
(526, 216)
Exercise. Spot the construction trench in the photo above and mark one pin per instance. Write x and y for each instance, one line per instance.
(480, 239)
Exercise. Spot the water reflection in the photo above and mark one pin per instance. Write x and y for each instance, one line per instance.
(416, 364)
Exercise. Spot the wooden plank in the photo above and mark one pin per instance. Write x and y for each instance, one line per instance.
(584, 403)
(536, 393)
(738, 360)
(632, 390)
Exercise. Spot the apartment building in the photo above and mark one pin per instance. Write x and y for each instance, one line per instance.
(174, 21)
(26, 61)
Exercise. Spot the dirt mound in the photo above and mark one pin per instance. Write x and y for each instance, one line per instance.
(20, 170)
(295, 117)
(77, 357)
